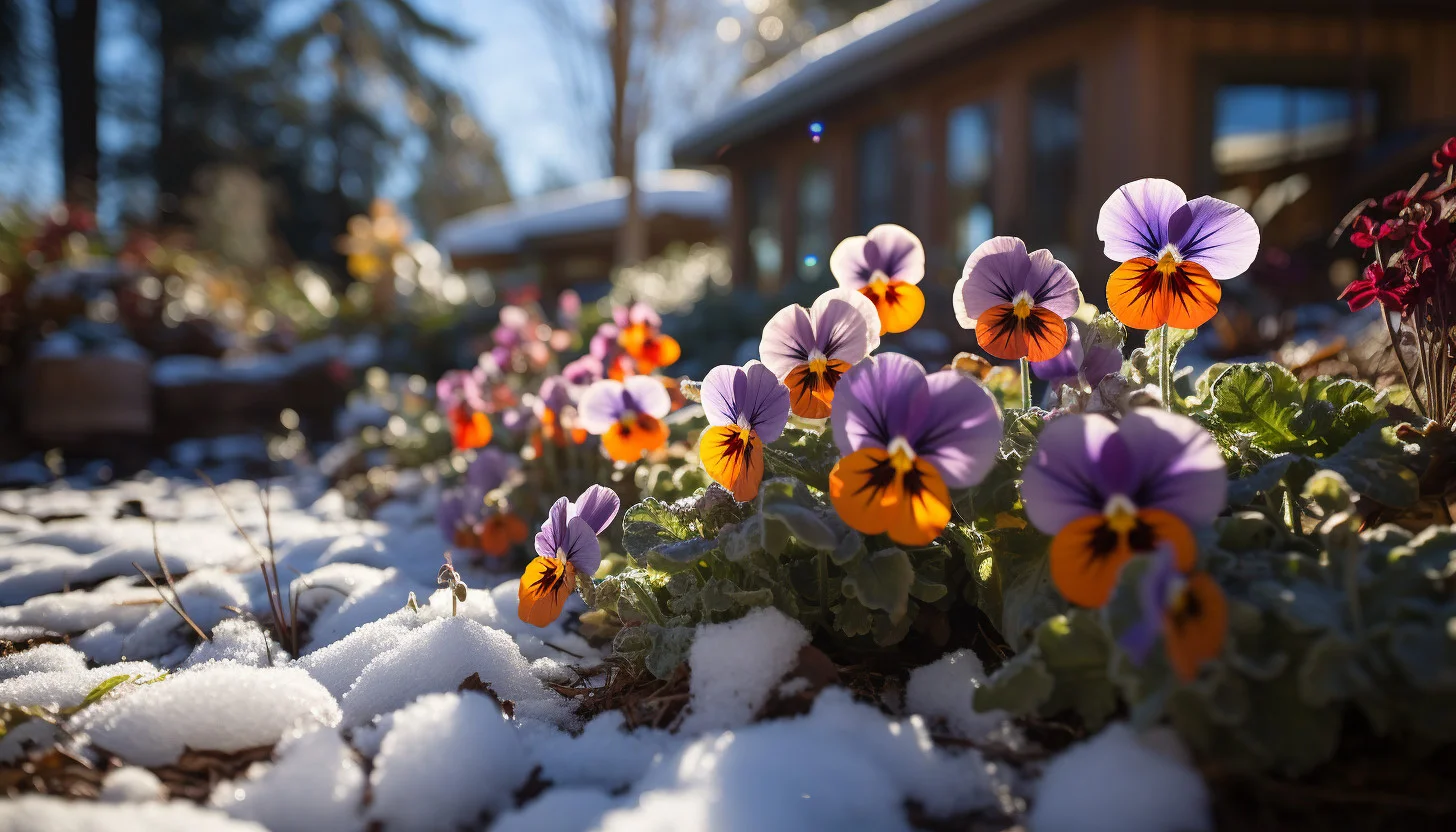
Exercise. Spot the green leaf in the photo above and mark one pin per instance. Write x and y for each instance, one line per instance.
(804, 524)
(1020, 687)
(104, 688)
(852, 618)
(652, 524)
(1244, 490)
(1077, 651)
(1260, 400)
(1378, 465)
(882, 581)
(1105, 330)
(669, 648)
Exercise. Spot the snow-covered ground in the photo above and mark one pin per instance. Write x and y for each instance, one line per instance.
(369, 726)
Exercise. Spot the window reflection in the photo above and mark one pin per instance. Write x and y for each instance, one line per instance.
(876, 159)
(765, 243)
(1056, 137)
(970, 156)
(1261, 126)
(816, 204)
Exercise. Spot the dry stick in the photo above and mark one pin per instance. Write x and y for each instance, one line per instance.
(1400, 359)
(265, 496)
(273, 599)
(177, 604)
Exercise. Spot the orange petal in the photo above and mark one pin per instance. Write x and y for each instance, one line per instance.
(1046, 334)
(1144, 298)
(1040, 336)
(733, 457)
(1166, 527)
(633, 339)
(470, 431)
(545, 586)
(628, 441)
(874, 498)
(1196, 626)
(1085, 559)
(900, 304)
(811, 394)
(658, 351)
(500, 532)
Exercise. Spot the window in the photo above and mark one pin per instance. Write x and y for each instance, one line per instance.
(876, 164)
(970, 155)
(816, 203)
(1262, 126)
(765, 242)
(1056, 138)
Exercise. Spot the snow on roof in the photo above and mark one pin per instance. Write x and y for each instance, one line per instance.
(593, 206)
(842, 60)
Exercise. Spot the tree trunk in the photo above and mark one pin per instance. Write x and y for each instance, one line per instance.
(632, 238)
(167, 170)
(73, 31)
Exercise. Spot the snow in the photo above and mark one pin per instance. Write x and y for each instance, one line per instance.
(338, 665)
(436, 658)
(202, 595)
(605, 755)
(448, 759)
(1120, 782)
(241, 641)
(736, 665)
(316, 785)
(843, 766)
(942, 691)
(66, 688)
(32, 813)
(43, 658)
(132, 784)
(182, 370)
(592, 206)
(154, 723)
(558, 810)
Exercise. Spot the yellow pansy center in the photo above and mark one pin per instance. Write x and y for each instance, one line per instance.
(1168, 261)
(879, 277)
(1022, 304)
(902, 456)
(818, 363)
(628, 418)
(1121, 514)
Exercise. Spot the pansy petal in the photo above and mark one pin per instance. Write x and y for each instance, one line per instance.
(876, 401)
(598, 506)
(811, 394)
(658, 351)
(901, 254)
(961, 430)
(649, 395)
(765, 402)
(924, 507)
(1066, 363)
(863, 490)
(581, 546)
(994, 273)
(848, 265)
(545, 586)
(628, 442)
(722, 387)
(601, 406)
(1195, 632)
(734, 458)
(1142, 297)
(1100, 363)
(1061, 483)
(1052, 285)
(899, 305)
(1084, 574)
(846, 326)
(1134, 221)
(788, 338)
(1219, 236)
(1178, 465)
(548, 540)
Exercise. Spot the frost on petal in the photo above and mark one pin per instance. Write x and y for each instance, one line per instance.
(1133, 221)
(901, 255)
(1219, 236)
(1052, 285)
(961, 430)
(598, 506)
(993, 274)
(846, 326)
(602, 405)
(649, 396)
(877, 400)
(789, 337)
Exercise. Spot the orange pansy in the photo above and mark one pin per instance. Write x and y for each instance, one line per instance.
(877, 491)
(630, 438)
(900, 304)
(1195, 626)
(1088, 553)
(1038, 335)
(1145, 293)
(811, 389)
(733, 456)
(545, 586)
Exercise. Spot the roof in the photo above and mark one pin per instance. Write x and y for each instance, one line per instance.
(896, 36)
(593, 206)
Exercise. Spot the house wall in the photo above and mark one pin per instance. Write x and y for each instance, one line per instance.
(1146, 72)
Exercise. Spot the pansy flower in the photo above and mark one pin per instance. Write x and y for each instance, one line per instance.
(555, 410)
(884, 266)
(633, 342)
(1109, 490)
(627, 415)
(907, 439)
(1189, 611)
(810, 349)
(1077, 366)
(746, 408)
(584, 370)
(462, 515)
(565, 546)
(1173, 253)
(1018, 302)
(469, 428)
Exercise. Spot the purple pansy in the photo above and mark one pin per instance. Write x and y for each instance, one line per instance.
(571, 529)
(810, 349)
(746, 408)
(1017, 301)
(887, 253)
(1151, 217)
(627, 415)
(1076, 366)
(584, 370)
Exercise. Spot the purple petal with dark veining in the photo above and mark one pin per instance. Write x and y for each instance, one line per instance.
(1177, 465)
(1133, 221)
(960, 430)
(602, 405)
(1063, 481)
(1217, 235)
(994, 273)
(598, 506)
(549, 539)
(880, 398)
(788, 338)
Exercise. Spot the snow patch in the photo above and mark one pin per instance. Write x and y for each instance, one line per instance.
(736, 665)
(132, 784)
(52, 814)
(943, 690)
(42, 658)
(315, 786)
(558, 810)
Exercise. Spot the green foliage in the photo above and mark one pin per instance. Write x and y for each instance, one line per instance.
(13, 716)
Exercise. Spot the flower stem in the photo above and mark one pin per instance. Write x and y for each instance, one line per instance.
(1025, 384)
(1165, 369)
(1400, 360)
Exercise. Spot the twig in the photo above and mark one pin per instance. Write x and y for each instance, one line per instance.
(176, 604)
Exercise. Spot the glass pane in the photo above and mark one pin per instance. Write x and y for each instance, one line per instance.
(765, 243)
(875, 162)
(816, 203)
(1056, 137)
(1262, 126)
(971, 152)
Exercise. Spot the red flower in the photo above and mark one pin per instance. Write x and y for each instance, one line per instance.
(1389, 287)
(1445, 155)
(1367, 233)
